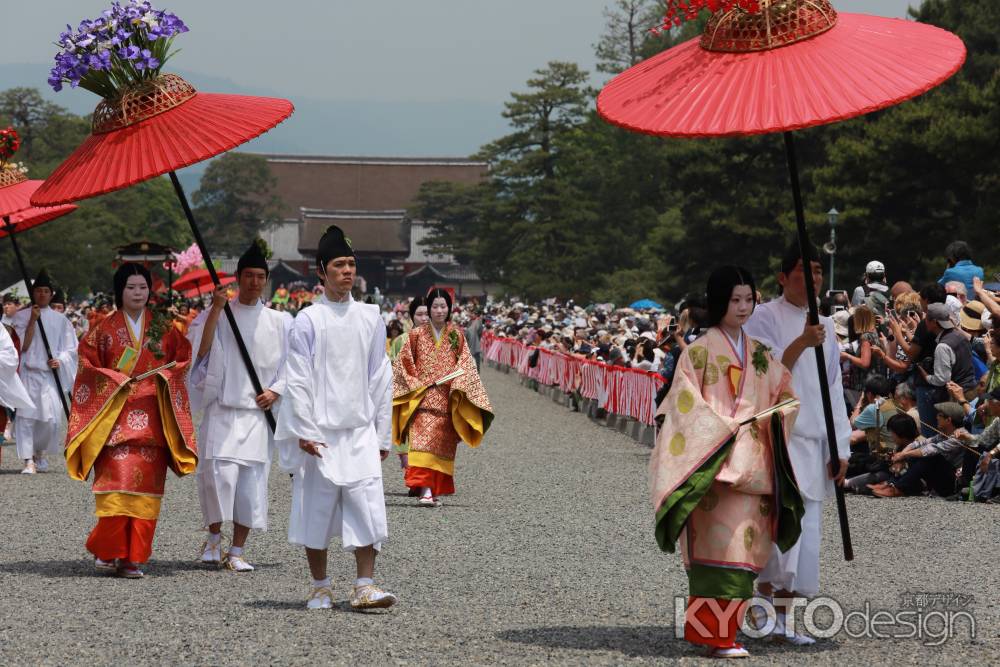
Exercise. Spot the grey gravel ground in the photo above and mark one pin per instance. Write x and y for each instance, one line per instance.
(545, 555)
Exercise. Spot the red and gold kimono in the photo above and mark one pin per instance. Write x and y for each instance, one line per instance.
(436, 414)
(128, 431)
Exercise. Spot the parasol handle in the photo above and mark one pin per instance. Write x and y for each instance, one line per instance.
(824, 386)
(11, 232)
(254, 380)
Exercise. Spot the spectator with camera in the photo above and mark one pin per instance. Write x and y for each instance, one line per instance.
(952, 353)
(904, 435)
(932, 463)
(870, 437)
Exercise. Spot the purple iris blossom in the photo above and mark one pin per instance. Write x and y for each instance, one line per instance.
(124, 30)
(128, 52)
(147, 61)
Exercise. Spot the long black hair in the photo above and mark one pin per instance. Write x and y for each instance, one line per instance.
(436, 293)
(124, 272)
(416, 303)
(720, 290)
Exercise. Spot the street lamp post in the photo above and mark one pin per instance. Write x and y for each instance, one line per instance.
(831, 248)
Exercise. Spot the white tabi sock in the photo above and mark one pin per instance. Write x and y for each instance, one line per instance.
(236, 551)
(363, 581)
(321, 583)
(214, 538)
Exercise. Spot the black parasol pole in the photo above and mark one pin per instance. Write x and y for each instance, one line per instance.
(215, 279)
(824, 386)
(10, 229)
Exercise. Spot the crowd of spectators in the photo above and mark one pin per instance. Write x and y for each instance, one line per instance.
(929, 357)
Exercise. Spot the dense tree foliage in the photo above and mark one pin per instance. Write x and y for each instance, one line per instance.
(578, 208)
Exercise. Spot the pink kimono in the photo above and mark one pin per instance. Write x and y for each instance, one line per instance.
(722, 485)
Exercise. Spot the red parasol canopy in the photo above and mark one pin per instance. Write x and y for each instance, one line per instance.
(156, 129)
(33, 217)
(205, 289)
(199, 279)
(859, 65)
(15, 192)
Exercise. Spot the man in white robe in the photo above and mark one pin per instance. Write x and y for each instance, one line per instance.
(41, 429)
(13, 395)
(335, 428)
(783, 326)
(234, 438)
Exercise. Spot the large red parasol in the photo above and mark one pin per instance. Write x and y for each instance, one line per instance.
(14, 224)
(154, 128)
(198, 291)
(199, 279)
(790, 64)
(861, 64)
(33, 217)
(15, 192)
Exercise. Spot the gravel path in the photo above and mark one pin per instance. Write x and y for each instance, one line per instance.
(545, 555)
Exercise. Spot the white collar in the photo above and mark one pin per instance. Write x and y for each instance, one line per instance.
(325, 299)
(135, 324)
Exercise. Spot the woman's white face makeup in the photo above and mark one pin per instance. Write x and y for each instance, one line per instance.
(741, 304)
(439, 311)
(135, 294)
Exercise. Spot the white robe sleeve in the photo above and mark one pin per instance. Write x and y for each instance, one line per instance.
(761, 327)
(199, 367)
(380, 388)
(295, 419)
(280, 382)
(12, 391)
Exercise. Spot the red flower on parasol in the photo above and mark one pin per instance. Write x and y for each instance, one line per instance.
(15, 188)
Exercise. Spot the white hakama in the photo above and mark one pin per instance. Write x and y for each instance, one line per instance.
(322, 510)
(233, 491)
(234, 438)
(41, 427)
(777, 324)
(339, 393)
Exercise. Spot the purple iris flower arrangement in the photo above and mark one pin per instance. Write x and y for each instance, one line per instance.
(126, 45)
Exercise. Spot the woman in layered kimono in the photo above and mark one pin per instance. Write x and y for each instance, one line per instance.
(722, 485)
(418, 317)
(130, 421)
(438, 400)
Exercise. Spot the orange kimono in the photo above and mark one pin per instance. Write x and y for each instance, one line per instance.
(437, 414)
(128, 431)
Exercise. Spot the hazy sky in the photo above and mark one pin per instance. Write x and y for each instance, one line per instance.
(386, 50)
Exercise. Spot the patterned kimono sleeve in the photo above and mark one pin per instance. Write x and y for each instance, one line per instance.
(405, 375)
(406, 390)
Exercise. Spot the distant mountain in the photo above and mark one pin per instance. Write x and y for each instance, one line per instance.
(324, 126)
